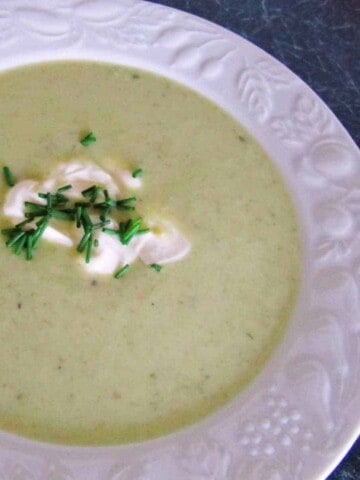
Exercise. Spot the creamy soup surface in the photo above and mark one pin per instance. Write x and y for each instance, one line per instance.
(88, 359)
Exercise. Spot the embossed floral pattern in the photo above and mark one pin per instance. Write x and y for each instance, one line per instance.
(292, 430)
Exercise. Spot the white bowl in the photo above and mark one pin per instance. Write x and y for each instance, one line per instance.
(300, 415)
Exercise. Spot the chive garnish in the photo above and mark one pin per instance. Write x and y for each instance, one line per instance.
(88, 139)
(156, 267)
(110, 231)
(37, 213)
(19, 247)
(89, 246)
(85, 219)
(124, 204)
(39, 231)
(88, 191)
(64, 188)
(56, 199)
(104, 214)
(120, 273)
(91, 193)
(142, 231)
(29, 245)
(21, 239)
(78, 215)
(137, 173)
(8, 177)
(83, 242)
(49, 200)
(125, 201)
(9, 231)
(33, 205)
(15, 239)
(129, 230)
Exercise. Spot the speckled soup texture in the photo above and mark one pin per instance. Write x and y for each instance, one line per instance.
(98, 360)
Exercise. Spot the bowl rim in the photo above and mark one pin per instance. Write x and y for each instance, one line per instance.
(310, 381)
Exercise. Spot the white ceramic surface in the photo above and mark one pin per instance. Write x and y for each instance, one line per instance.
(298, 418)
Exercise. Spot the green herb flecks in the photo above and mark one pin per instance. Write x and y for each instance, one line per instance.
(123, 270)
(137, 173)
(129, 229)
(29, 245)
(156, 267)
(91, 193)
(8, 177)
(64, 188)
(88, 139)
(84, 241)
(89, 247)
(91, 215)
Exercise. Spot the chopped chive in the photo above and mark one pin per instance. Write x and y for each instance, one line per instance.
(69, 210)
(39, 232)
(8, 177)
(156, 267)
(129, 235)
(128, 230)
(88, 139)
(83, 241)
(126, 207)
(91, 193)
(34, 205)
(89, 246)
(136, 222)
(110, 231)
(11, 242)
(20, 245)
(29, 245)
(86, 220)
(142, 231)
(78, 215)
(20, 239)
(49, 198)
(122, 227)
(120, 273)
(107, 204)
(127, 200)
(9, 231)
(60, 198)
(104, 214)
(64, 188)
(123, 204)
(56, 199)
(35, 213)
(88, 191)
(137, 173)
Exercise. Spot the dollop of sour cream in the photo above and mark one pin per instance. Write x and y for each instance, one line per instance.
(163, 244)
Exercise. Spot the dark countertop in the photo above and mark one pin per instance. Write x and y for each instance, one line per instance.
(320, 41)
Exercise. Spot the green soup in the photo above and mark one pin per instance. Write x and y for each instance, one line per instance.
(95, 360)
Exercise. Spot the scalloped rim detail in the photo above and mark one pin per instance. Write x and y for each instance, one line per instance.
(299, 416)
